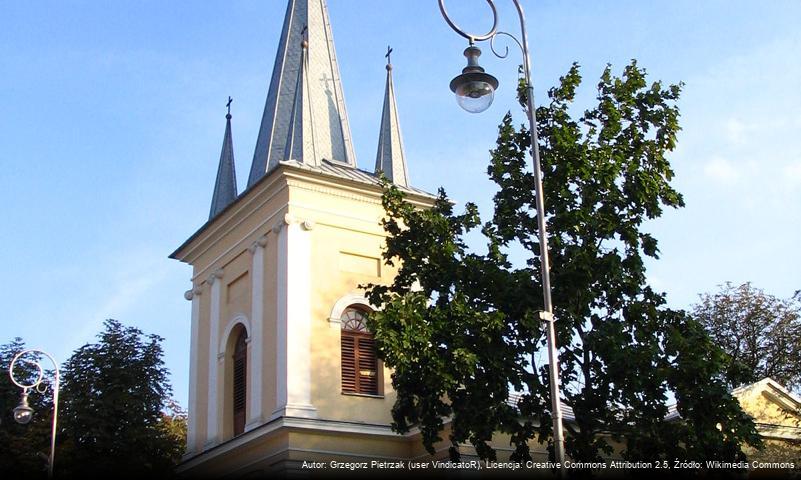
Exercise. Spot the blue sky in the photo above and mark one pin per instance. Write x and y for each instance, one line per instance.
(113, 117)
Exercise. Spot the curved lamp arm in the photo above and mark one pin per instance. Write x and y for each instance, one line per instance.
(469, 36)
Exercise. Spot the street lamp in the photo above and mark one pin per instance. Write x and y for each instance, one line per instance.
(474, 88)
(23, 413)
(475, 91)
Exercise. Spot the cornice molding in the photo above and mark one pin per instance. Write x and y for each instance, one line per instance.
(336, 191)
(238, 246)
(248, 201)
(347, 188)
(296, 423)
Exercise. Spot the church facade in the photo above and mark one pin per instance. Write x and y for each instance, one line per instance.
(282, 367)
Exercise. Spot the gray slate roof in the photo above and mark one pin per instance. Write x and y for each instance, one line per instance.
(335, 169)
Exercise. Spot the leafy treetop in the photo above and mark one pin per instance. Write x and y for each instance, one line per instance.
(459, 328)
(761, 332)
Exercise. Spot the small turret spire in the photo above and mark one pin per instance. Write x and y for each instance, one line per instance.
(225, 185)
(391, 158)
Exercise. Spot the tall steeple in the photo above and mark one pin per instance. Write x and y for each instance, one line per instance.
(304, 115)
(391, 159)
(225, 185)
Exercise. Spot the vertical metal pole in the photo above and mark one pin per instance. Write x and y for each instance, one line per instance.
(545, 266)
(55, 418)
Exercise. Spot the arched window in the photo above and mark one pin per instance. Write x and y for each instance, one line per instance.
(240, 382)
(359, 363)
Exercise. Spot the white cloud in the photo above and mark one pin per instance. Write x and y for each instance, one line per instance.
(792, 173)
(735, 130)
(722, 170)
(127, 284)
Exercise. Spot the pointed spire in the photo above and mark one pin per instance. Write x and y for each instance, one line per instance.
(391, 159)
(225, 185)
(304, 115)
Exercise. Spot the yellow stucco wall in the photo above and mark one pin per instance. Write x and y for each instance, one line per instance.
(778, 419)
(223, 246)
(346, 244)
(764, 403)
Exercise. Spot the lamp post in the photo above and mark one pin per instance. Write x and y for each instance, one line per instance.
(23, 413)
(475, 90)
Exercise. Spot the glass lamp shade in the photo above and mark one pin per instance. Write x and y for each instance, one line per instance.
(23, 414)
(474, 91)
(475, 97)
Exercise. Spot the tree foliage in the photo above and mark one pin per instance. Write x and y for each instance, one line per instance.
(114, 395)
(115, 411)
(459, 328)
(761, 333)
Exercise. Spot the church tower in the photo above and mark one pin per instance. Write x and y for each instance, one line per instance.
(282, 367)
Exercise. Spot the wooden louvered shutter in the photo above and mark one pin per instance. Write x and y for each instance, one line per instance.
(368, 366)
(240, 384)
(348, 363)
(359, 362)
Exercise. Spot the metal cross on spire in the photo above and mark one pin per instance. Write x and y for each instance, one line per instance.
(228, 105)
(389, 52)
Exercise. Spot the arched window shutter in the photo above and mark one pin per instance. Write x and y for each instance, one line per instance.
(359, 362)
(348, 363)
(240, 383)
(368, 366)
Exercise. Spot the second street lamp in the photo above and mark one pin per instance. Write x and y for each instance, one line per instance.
(480, 97)
(23, 413)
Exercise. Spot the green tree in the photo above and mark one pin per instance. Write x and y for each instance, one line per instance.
(114, 395)
(174, 425)
(24, 448)
(761, 332)
(460, 328)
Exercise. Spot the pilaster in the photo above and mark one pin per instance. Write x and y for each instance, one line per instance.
(293, 342)
(256, 361)
(213, 418)
(191, 427)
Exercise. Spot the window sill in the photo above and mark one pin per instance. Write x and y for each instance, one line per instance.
(365, 395)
